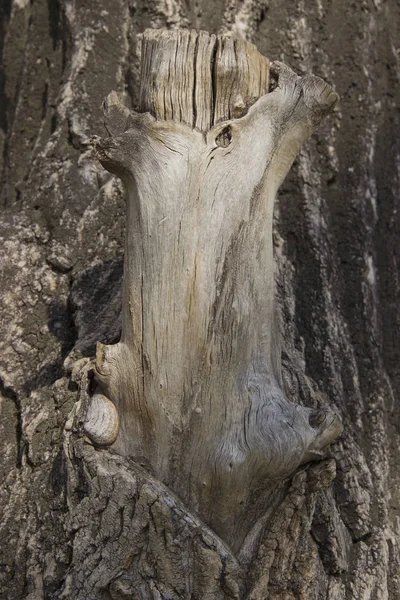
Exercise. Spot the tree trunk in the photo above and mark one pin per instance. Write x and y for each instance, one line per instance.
(200, 402)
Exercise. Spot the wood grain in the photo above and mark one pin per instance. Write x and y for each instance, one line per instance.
(196, 377)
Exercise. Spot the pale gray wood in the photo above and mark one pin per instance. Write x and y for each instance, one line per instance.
(196, 377)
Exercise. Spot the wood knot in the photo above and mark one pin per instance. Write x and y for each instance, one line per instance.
(224, 138)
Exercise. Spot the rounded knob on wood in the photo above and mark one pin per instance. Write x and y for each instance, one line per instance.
(101, 421)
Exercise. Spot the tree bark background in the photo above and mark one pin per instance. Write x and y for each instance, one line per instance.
(336, 247)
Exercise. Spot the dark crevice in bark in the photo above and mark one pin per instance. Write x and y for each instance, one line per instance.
(8, 392)
(45, 97)
(54, 9)
(95, 305)
(5, 11)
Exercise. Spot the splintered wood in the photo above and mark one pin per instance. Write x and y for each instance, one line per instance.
(199, 78)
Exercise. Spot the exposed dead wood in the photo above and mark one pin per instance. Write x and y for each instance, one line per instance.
(200, 79)
(196, 377)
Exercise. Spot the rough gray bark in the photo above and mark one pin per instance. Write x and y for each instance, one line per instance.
(336, 239)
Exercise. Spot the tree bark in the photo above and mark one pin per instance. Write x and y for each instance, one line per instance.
(78, 522)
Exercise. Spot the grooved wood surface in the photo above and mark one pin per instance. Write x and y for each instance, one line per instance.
(199, 78)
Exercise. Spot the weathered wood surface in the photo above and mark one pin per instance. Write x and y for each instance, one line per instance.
(196, 377)
(335, 241)
(199, 79)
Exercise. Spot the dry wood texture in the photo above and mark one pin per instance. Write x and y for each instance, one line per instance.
(196, 377)
(200, 79)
